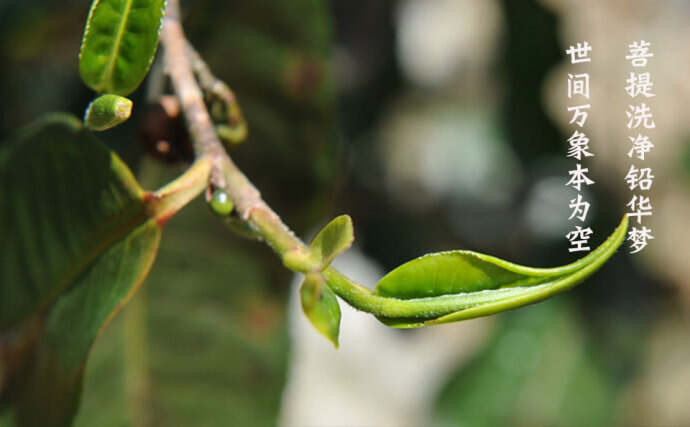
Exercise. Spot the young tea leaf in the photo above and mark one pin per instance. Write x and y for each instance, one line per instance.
(457, 285)
(336, 237)
(119, 43)
(107, 111)
(321, 306)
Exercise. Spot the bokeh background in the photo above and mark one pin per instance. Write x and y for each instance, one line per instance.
(436, 124)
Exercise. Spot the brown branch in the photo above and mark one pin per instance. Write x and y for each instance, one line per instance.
(252, 210)
(224, 173)
(214, 88)
(224, 107)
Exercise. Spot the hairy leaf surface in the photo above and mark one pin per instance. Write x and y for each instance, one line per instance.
(107, 111)
(460, 285)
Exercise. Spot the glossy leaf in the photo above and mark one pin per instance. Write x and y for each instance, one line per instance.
(107, 111)
(460, 285)
(78, 238)
(321, 306)
(119, 43)
(336, 237)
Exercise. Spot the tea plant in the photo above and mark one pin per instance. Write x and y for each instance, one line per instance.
(79, 234)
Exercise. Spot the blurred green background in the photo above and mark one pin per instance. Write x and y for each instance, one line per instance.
(436, 125)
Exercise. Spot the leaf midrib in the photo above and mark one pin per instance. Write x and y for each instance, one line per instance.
(108, 72)
(69, 277)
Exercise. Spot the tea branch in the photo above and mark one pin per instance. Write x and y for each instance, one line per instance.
(184, 66)
(181, 62)
(224, 173)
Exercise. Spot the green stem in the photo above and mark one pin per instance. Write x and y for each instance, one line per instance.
(166, 201)
(558, 280)
(364, 299)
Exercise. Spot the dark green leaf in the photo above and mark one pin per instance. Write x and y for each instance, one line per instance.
(52, 384)
(64, 199)
(119, 43)
(78, 240)
(336, 237)
(321, 306)
(480, 284)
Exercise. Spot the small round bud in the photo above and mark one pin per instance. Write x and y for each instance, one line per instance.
(220, 203)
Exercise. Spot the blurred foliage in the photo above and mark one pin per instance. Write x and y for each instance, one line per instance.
(527, 58)
(540, 368)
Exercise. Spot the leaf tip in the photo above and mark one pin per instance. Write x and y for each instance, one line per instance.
(335, 238)
(321, 307)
